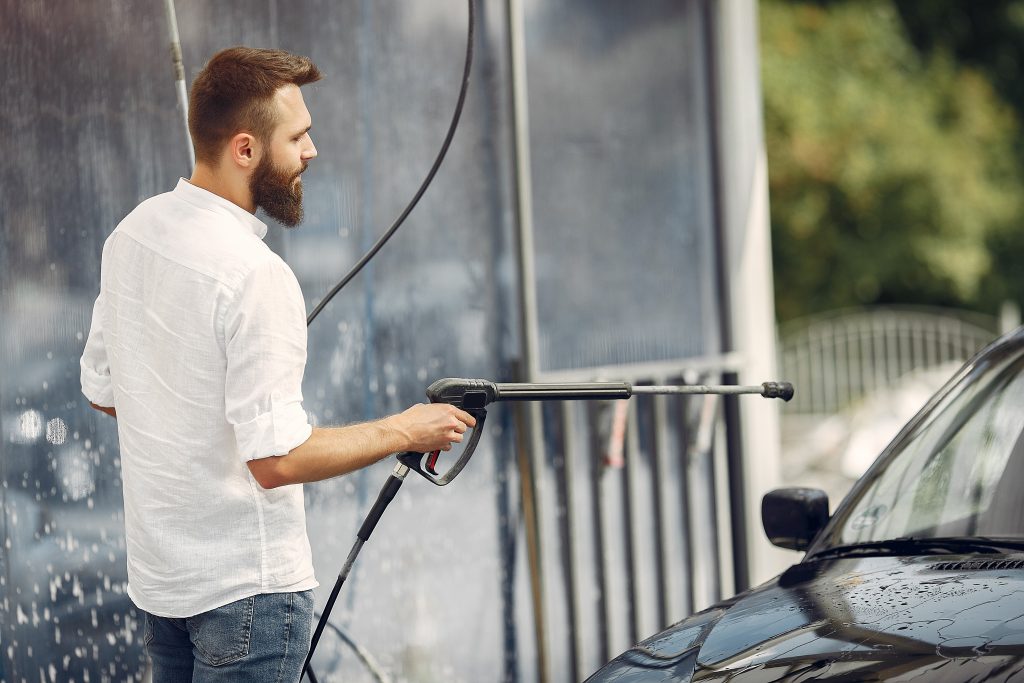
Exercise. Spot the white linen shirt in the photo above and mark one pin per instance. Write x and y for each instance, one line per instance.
(198, 340)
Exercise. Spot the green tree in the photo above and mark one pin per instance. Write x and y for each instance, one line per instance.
(892, 171)
(988, 36)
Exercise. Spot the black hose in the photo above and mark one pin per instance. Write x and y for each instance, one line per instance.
(391, 486)
(384, 498)
(423, 186)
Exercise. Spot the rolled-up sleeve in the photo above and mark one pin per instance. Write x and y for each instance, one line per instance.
(265, 341)
(95, 366)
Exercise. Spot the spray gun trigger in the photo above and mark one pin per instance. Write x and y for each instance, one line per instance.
(432, 462)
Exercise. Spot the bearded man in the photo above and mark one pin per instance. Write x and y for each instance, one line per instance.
(197, 347)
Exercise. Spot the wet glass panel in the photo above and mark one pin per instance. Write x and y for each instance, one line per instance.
(87, 103)
(619, 139)
(425, 598)
(90, 128)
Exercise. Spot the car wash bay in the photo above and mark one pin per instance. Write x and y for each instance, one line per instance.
(573, 234)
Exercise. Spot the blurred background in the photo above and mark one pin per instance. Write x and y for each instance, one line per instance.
(895, 160)
(671, 191)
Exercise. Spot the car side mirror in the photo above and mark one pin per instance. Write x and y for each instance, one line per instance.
(792, 517)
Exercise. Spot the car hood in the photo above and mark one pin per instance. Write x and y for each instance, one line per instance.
(935, 618)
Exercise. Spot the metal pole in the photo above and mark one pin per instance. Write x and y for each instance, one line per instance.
(737, 493)
(659, 466)
(629, 526)
(727, 390)
(179, 75)
(684, 456)
(734, 433)
(569, 544)
(599, 558)
(568, 391)
(524, 190)
(528, 323)
(528, 493)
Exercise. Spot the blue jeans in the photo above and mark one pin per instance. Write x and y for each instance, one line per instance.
(260, 638)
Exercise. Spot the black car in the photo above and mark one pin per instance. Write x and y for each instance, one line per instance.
(919, 574)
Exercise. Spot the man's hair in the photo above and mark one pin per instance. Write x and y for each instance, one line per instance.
(233, 93)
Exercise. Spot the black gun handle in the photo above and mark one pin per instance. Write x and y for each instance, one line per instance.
(468, 394)
(414, 461)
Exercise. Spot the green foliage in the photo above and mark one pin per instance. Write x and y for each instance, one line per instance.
(987, 35)
(892, 172)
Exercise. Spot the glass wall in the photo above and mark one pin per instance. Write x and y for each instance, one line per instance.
(83, 125)
(620, 169)
(90, 127)
(620, 152)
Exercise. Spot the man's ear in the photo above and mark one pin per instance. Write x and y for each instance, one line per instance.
(245, 150)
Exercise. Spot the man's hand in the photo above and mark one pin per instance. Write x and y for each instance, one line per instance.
(429, 427)
(331, 451)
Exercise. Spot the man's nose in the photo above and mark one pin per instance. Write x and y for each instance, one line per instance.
(310, 151)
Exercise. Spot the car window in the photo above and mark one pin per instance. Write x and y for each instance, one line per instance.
(959, 473)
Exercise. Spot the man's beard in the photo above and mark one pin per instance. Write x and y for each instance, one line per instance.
(275, 191)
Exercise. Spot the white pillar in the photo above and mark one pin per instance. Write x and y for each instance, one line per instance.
(743, 183)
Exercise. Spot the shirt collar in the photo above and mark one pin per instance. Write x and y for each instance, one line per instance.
(208, 200)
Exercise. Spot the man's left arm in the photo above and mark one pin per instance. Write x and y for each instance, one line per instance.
(95, 367)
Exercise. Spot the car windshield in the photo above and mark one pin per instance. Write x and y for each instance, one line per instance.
(958, 472)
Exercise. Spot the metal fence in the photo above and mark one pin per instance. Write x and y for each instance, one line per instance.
(837, 358)
(628, 512)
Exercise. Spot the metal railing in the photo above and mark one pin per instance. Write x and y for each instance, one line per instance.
(838, 358)
(634, 519)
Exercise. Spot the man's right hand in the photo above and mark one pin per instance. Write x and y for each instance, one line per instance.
(429, 427)
(330, 451)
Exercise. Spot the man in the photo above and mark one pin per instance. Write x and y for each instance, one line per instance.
(197, 347)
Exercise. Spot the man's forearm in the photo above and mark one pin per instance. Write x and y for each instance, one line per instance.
(328, 452)
(332, 451)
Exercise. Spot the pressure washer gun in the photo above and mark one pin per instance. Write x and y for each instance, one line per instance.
(473, 396)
